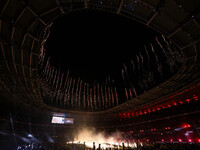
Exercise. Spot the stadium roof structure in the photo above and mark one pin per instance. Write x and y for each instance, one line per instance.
(22, 23)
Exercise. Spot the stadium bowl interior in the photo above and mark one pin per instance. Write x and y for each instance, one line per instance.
(36, 110)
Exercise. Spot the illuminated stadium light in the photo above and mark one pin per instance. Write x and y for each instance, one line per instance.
(186, 126)
(188, 100)
(30, 135)
(180, 140)
(189, 140)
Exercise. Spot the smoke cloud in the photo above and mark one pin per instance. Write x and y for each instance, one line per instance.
(91, 136)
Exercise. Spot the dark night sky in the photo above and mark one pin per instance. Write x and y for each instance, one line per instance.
(93, 44)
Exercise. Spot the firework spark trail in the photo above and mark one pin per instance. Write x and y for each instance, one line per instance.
(109, 92)
(58, 77)
(116, 96)
(66, 79)
(123, 77)
(165, 39)
(142, 60)
(175, 54)
(98, 95)
(135, 92)
(54, 95)
(59, 90)
(45, 69)
(126, 93)
(91, 98)
(106, 98)
(51, 95)
(42, 52)
(68, 93)
(125, 68)
(102, 96)
(128, 78)
(95, 102)
(61, 81)
(179, 56)
(133, 65)
(57, 95)
(61, 99)
(144, 81)
(79, 95)
(46, 33)
(45, 73)
(67, 86)
(76, 94)
(72, 94)
(151, 78)
(109, 97)
(65, 98)
(44, 39)
(130, 93)
(55, 78)
(113, 98)
(141, 85)
(138, 62)
(146, 51)
(171, 55)
(159, 65)
(88, 98)
(166, 55)
(52, 73)
(48, 73)
(42, 56)
(65, 95)
(84, 94)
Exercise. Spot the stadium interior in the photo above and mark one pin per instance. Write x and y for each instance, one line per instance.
(99, 75)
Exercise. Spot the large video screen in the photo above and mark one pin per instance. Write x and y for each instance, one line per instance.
(61, 118)
(58, 120)
(69, 120)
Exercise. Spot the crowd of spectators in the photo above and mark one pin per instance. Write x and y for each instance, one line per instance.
(171, 146)
(154, 146)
